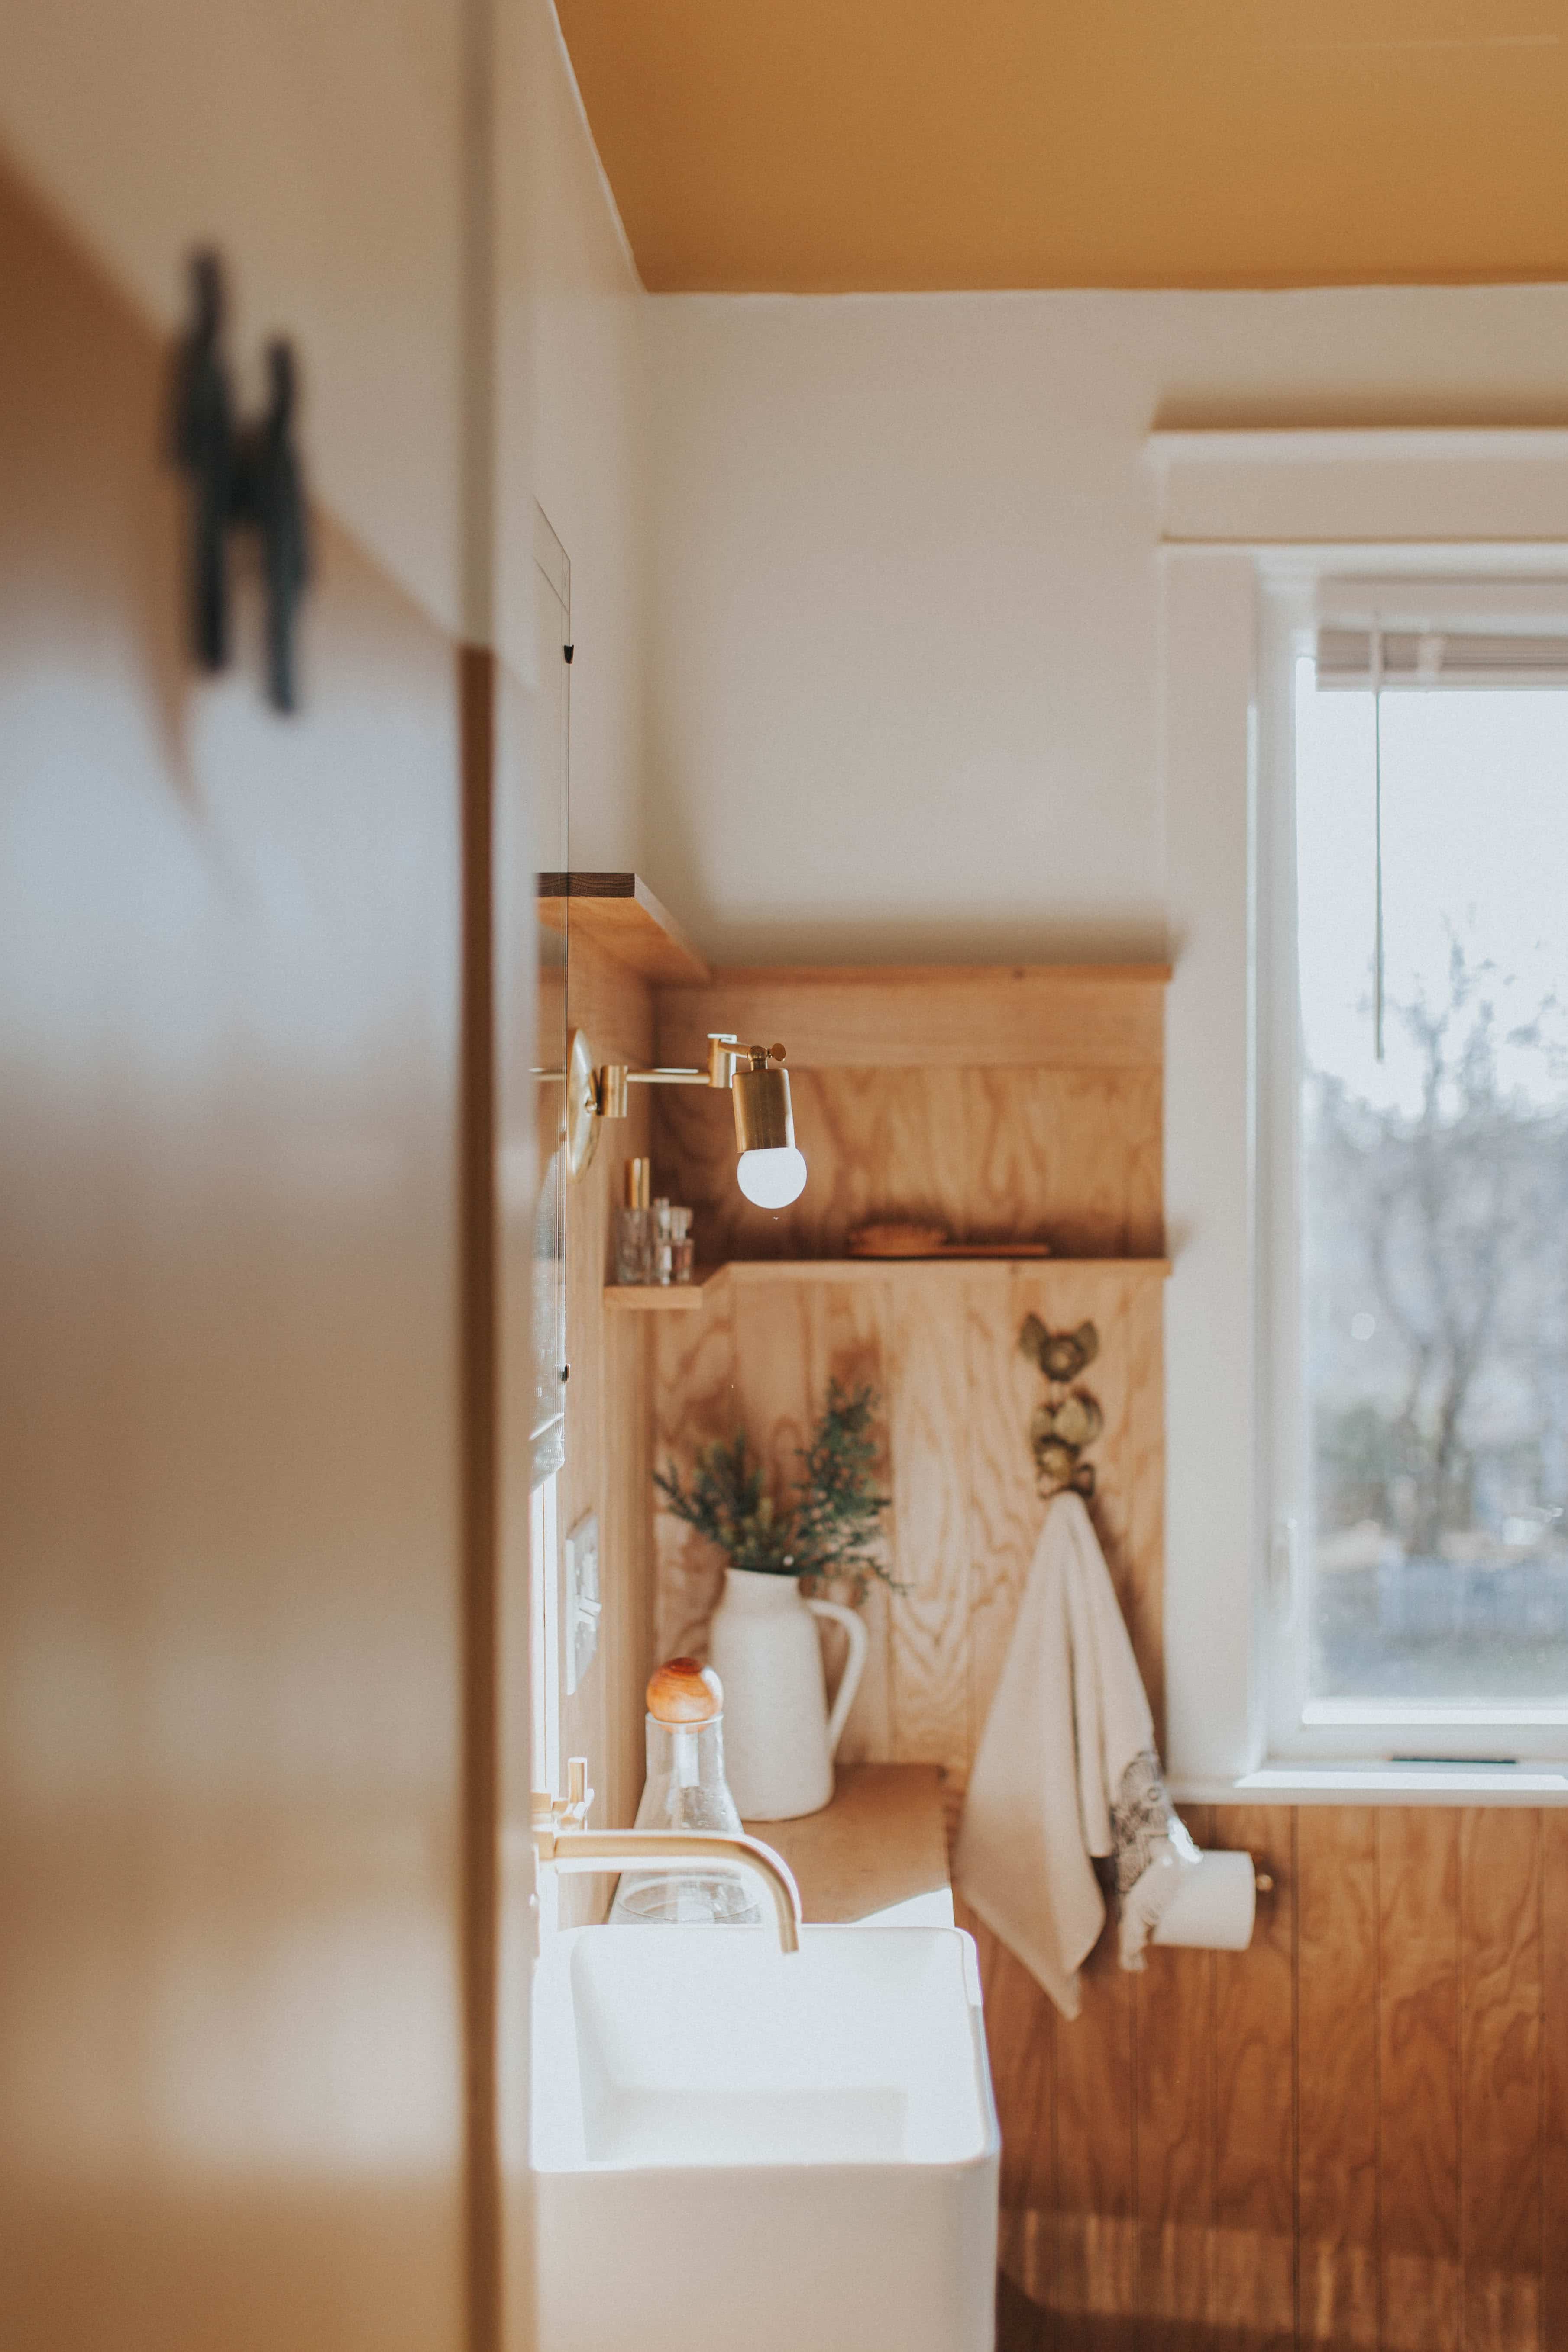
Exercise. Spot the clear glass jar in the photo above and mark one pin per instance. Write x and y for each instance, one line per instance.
(685, 1790)
(633, 1246)
(681, 1246)
(635, 1227)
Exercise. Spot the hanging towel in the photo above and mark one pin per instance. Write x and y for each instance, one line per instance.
(1067, 1769)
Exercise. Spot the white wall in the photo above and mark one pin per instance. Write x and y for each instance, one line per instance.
(903, 621)
(588, 459)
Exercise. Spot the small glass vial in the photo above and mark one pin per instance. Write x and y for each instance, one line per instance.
(685, 1790)
(634, 1226)
(663, 1243)
(681, 1246)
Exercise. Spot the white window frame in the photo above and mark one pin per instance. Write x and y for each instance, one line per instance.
(1250, 524)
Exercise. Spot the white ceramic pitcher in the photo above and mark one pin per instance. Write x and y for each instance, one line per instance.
(779, 1738)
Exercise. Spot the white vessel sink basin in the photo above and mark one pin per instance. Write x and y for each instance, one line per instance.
(738, 2148)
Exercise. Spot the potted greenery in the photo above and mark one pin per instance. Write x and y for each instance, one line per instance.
(779, 1736)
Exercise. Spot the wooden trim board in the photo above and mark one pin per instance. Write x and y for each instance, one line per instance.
(1036, 1016)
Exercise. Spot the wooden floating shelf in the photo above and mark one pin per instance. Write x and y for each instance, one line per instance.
(688, 1297)
(623, 914)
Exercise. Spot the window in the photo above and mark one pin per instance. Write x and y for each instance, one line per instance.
(1414, 833)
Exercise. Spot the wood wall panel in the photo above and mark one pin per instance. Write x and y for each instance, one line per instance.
(1554, 2080)
(1176, 2132)
(993, 1155)
(929, 1016)
(1419, 2077)
(1337, 2057)
(1500, 2078)
(1252, 2284)
(1354, 2135)
(928, 1411)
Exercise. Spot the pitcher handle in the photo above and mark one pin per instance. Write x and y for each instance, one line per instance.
(854, 1665)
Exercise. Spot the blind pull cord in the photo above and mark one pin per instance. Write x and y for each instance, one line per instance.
(1377, 835)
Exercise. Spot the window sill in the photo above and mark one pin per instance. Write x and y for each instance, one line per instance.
(1375, 1783)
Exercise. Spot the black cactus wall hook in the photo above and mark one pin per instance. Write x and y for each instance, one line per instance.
(241, 478)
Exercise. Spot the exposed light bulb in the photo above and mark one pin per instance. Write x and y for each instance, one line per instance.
(771, 1179)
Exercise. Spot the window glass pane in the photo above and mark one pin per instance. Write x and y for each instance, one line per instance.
(1435, 1187)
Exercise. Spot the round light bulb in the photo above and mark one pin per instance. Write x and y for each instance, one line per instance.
(772, 1179)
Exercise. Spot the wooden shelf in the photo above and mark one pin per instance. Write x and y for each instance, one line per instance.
(662, 1297)
(622, 914)
(753, 1273)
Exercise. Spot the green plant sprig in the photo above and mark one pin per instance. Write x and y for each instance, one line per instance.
(829, 1533)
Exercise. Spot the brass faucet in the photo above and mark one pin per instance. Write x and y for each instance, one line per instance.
(561, 1841)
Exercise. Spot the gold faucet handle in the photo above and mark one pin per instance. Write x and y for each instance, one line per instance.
(572, 1811)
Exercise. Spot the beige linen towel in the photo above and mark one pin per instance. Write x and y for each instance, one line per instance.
(1067, 1769)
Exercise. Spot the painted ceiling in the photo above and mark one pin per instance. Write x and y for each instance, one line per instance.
(859, 145)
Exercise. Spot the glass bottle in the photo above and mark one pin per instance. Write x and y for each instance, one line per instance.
(663, 1243)
(681, 1246)
(685, 1790)
(634, 1226)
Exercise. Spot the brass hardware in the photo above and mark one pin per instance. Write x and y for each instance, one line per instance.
(581, 1117)
(763, 1118)
(1263, 1882)
(561, 1842)
(764, 1121)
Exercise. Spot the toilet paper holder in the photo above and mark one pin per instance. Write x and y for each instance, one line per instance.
(1264, 1881)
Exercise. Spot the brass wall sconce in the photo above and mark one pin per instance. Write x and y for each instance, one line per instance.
(770, 1172)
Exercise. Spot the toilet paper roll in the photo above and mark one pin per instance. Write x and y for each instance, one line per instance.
(1214, 1905)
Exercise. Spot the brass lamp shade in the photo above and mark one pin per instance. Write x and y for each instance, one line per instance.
(763, 1119)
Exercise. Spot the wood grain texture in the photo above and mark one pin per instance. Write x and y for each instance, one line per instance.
(1072, 1157)
(1501, 1992)
(1027, 1016)
(621, 915)
(881, 1841)
(1252, 2281)
(1095, 2153)
(1419, 2077)
(693, 1403)
(1339, 2119)
(927, 1408)
(1175, 2031)
(1554, 2080)
(849, 1344)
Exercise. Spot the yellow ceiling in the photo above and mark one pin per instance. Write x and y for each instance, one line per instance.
(838, 145)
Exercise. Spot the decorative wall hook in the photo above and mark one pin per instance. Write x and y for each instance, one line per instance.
(244, 479)
(1063, 1425)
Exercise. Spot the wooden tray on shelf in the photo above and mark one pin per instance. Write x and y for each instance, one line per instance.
(911, 1241)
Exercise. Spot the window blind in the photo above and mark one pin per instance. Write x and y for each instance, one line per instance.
(1413, 659)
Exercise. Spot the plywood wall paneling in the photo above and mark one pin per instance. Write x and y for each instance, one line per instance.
(773, 1403)
(1095, 2161)
(1554, 2080)
(929, 1016)
(1075, 1155)
(849, 1344)
(693, 1403)
(1252, 2284)
(1021, 2021)
(1337, 2045)
(1419, 2077)
(1070, 1157)
(1501, 2082)
(1006, 1510)
(1175, 2136)
(927, 1405)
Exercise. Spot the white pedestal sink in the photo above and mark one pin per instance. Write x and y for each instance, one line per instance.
(738, 2148)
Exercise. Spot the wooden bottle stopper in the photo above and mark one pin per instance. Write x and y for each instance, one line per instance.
(683, 1690)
